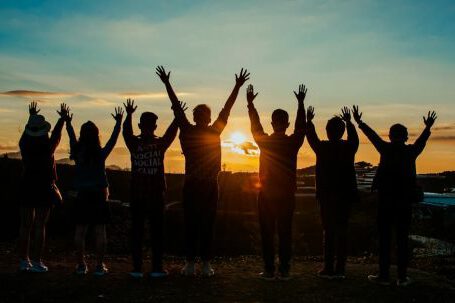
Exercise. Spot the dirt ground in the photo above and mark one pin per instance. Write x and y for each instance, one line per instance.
(235, 281)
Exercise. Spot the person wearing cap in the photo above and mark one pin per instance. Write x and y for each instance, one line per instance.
(277, 177)
(39, 176)
(201, 146)
(90, 181)
(148, 186)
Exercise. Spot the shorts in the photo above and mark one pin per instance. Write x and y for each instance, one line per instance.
(91, 207)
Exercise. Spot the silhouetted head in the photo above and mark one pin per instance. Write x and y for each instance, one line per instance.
(202, 115)
(89, 134)
(280, 120)
(398, 133)
(147, 123)
(89, 143)
(335, 128)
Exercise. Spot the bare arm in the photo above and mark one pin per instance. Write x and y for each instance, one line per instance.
(107, 149)
(170, 134)
(56, 134)
(221, 121)
(353, 137)
(311, 134)
(127, 132)
(300, 121)
(421, 141)
(256, 128)
(179, 113)
(374, 138)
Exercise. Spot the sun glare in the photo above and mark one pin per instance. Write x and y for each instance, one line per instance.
(238, 138)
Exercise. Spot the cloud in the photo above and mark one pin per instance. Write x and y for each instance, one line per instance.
(34, 93)
(8, 147)
(444, 127)
(150, 95)
(443, 138)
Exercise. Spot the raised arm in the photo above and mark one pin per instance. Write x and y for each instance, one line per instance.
(256, 128)
(170, 134)
(353, 137)
(70, 131)
(311, 134)
(421, 141)
(56, 134)
(300, 121)
(118, 116)
(221, 121)
(374, 138)
(179, 113)
(127, 132)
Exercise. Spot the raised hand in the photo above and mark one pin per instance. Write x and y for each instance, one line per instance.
(250, 95)
(310, 114)
(345, 114)
(301, 94)
(118, 116)
(429, 120)
(129, 106)
(161, 72)
(357, 115)
(64, 112)
(183, 105)
(33, 108)
(242, 77)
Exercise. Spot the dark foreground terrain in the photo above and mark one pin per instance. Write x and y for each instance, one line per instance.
(235, 281)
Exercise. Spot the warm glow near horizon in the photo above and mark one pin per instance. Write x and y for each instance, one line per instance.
(395, 64)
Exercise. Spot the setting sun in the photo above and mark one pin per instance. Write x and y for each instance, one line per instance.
(238, 138)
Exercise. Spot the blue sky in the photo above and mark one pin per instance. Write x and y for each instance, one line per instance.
(394, 58)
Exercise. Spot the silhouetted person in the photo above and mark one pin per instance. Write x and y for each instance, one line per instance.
(201, 147)
(395, 182)
(277, 175)
(336, 186)
(90, 181)
(148, 186)
(39, 177)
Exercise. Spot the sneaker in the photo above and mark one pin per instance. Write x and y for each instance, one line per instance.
(267, 276)
(38, 267)
(159, 274)
(101, 270)
(284, 276)
(207, 270)
(25, 265)
(81, 269)
(136, 274)
(404, 282)
(377, 279)
(339, 276)
(188, 269)
(326, 274)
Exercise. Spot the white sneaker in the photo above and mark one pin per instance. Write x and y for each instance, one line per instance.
(188, 269)
(207, 270)
(101, 270)
(159, 274)
(81, 269)
(136, 274)
(404, 282)
(38, 267)
(25, 265)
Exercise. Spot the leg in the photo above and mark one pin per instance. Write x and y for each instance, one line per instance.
(384, 228)
(79, 240)
(207, 221)
(267, 226)
(137, 235)
(27, 216)
(328, 226)
(342, 237)
(41, 218)
(101, 240)
(191, 222)
(402, 225)
(284, 222)
(156, 221)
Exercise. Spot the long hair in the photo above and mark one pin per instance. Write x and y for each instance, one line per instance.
(88, 148)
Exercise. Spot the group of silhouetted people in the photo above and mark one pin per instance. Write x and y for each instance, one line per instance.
(336, 185)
